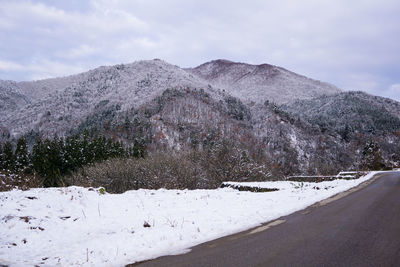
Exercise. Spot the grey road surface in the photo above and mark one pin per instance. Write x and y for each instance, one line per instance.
(359, 228)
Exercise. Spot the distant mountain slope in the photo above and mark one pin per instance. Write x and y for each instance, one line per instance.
(53, 106)
(11, 97)
(349, 113)
(141, 78)
(60, 104)
(261, 82)
(190, 118)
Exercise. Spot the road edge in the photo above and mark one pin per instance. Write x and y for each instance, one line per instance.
(276, 222)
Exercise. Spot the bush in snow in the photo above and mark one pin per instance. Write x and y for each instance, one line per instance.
(190, 169)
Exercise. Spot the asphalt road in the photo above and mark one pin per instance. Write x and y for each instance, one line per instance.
(357, 228)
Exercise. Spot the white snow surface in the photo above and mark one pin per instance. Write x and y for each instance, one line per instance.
(75, 226)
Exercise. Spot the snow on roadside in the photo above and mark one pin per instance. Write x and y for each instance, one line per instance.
(77, 227)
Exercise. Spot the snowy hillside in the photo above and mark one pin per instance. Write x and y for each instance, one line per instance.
(160, 105)
(11, 97)
(354, 112)
(61, 104)
(263, 82)
(53, 106)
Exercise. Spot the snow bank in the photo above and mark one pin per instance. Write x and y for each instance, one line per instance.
(75, 226)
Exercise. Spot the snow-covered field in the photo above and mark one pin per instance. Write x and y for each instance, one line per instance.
(76, 226)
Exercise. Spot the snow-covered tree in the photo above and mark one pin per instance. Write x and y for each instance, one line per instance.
(8, 156)
(21, 154)
(372, 156)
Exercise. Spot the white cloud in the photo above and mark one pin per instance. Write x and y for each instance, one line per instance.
(394, 91)
(6, 65)
(80, 51)
(362, 82)
(395, 88)
(41, 69)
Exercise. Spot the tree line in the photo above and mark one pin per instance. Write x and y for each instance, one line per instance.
(53, 158)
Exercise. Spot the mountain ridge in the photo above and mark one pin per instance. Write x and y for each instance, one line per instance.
(265, 81)
(123, 84)
(264, 108)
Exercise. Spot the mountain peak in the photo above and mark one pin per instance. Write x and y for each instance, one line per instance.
(257, 83)
(221, 62)
(227, 62)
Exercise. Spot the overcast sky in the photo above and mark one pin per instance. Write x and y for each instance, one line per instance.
(352, 44)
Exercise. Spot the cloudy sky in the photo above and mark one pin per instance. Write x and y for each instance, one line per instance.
(352, 44)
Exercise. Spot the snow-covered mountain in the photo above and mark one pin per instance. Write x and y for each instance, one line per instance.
(258, 83)
(11, 98)
(350, 113)
(303, 125)
(55, 105)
